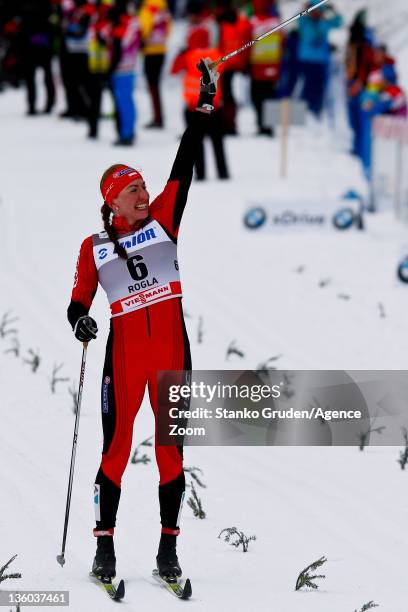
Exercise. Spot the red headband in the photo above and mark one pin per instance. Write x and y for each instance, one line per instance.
(118, 180)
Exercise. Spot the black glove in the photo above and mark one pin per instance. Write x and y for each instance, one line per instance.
(85, 329)
(208, 84)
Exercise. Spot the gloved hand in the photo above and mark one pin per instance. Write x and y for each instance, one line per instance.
(85, 329)
(208, 83)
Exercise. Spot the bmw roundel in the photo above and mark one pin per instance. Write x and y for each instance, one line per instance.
(255, 218)
(403, 271)
(344, 218)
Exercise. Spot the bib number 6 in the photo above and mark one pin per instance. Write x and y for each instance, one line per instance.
(137, 268)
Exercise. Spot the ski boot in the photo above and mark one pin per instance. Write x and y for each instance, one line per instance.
(104, 565)
(167, 562)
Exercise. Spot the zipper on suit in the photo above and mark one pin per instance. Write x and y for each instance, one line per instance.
(148, 320)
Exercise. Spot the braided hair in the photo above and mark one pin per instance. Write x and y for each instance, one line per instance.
(106, 212)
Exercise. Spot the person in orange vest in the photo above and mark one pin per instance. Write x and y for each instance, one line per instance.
(234, 31)
(186, 61)
(265, 59)
(155, 22)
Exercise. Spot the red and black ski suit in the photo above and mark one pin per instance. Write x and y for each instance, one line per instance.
(141, 343)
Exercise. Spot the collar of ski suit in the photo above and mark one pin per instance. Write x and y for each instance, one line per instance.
(122, 226)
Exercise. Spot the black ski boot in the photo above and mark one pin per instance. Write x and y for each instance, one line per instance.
(104, 564)
(167, 562)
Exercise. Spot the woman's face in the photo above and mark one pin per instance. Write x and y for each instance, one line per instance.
(132, 202)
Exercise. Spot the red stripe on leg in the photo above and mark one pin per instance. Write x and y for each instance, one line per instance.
(168, 531)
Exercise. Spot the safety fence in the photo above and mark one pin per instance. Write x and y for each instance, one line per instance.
(389, 183)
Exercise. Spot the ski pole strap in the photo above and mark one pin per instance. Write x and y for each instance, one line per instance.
(280, 26)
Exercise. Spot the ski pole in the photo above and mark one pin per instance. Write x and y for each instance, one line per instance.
(280, 26)
(61, 557)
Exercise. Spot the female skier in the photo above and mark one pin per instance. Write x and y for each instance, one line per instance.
(135, 261)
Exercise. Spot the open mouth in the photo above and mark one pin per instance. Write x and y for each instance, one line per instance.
(141, 206)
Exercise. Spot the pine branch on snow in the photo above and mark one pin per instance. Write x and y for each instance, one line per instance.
(147, 442)
(73, 391)
(364, 434)
(5, 330)
(34, 360)
(4, 576)
(403, 458)
(144, 458)
(200, 331)
(192, 471)
(367, 606)
(55, 378)
(15, 348)
(234, 350)
(263, 367)
(236, 538)
(195, 503)
(305, 579)
(324, 282)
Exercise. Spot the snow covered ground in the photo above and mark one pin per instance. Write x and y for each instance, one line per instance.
(301, 503)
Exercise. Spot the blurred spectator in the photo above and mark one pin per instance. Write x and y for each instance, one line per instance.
(36, 31)
(234, 31)
(99, 63)
(290, 68)
(125, 44)
(359, 62)
(75, 23)
(314, 53)
(200, 24)
(187, 62)
(155, 22)
(265, 58)
(382, 95)
(11, 65)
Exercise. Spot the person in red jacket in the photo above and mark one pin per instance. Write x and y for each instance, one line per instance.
(135, 261)
(234, 31)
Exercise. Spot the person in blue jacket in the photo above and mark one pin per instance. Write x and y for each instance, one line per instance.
(314, 53)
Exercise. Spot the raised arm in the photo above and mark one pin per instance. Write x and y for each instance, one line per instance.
(169, 206)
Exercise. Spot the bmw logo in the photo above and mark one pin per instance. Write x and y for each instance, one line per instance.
(403, 271)
(344, 218)
(255, 218)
